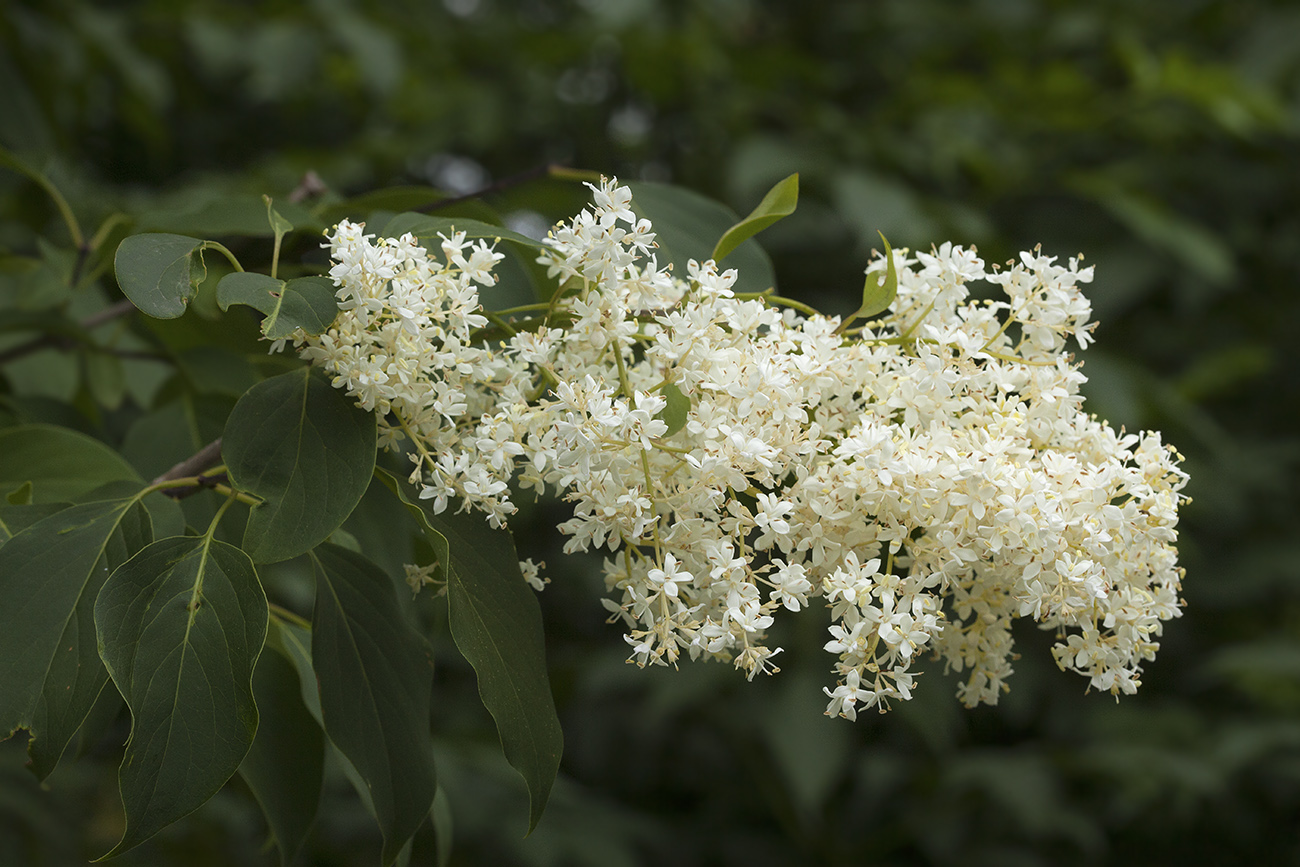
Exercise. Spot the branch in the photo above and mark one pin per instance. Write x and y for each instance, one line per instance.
(542, 171)
(206, 458)
(108, 314)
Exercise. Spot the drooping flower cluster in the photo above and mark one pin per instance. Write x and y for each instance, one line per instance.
(931, 475)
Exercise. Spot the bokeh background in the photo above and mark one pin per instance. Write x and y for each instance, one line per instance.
(1161, 139)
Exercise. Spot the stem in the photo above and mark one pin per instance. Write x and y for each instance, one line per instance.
(282, 613)
(275, 254)
(113, 311)
(506, 183)
(204, 459)
(101, 235)
(769, 298)
(221, 248)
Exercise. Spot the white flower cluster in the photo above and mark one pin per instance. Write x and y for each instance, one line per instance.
(930, 475)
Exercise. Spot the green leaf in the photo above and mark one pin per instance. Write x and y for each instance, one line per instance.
(20, 496)
(879, 292)
(443, 828)
(180, 626)
(77, 675)
(307, 451)
(159, 272)
(684, 222)
(779, 202)
(279, 225)
(390, 199)
(497, 625)
(426, 228)
(61, 463)
(677, 411)
(105, 378)
(308, 303)
(375, 676)
(14, 518)
(44, 573)
(285, 766)
(216, 213)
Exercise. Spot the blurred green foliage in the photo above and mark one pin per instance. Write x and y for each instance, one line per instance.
(1161, 139)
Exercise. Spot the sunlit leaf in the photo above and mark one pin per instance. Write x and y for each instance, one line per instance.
(180, 626)
(677, 411)
(879, 290)
(779, 202)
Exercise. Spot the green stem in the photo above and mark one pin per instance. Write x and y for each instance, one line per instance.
(284, 614)
(221, 248)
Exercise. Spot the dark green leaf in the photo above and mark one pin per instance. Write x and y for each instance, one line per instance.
(427, 228)
(375, 676)
(392, 199)
(285, 765)
(159, 272)
(497, 625)
(443, 827)
(105, 378)
(307, 451)
(60, 463)
(215, 214)
(879, 291)
(677, 411)
(16, 518)
(685, 221)
(180, 626)
(44, 572)
(308, 303)
(217, 370)
(779, 202)
(77, 675)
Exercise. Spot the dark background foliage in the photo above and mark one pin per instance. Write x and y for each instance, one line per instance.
(1160, 139)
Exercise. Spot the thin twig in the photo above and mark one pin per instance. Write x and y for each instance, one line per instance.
(109, 313)
(205, 458)
(494, 187)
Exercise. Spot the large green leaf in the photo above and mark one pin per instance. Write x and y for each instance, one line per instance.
(779, 202)
(497, 625)
(427, 228)
(215, 214)
(685, 224)
(44, 574)
(307, 451)
(286, 763)
(375, 676)
(77, 675)
(159, 272)
(61, 463)
(308, 303)
(50, 670)
(180, 627)
(14, 518)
